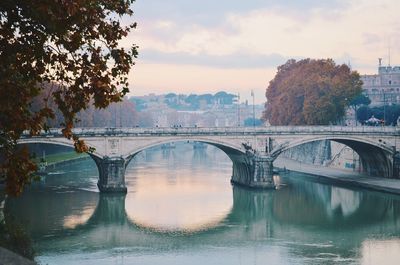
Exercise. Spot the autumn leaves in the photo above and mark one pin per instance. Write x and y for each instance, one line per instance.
(310, 92)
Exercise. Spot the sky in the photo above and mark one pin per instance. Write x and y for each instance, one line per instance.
(188, 46)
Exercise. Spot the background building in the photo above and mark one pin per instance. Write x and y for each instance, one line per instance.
(383, 88)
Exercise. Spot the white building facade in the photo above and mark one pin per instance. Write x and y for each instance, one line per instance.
(383, 88)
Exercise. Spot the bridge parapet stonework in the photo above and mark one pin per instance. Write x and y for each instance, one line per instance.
(252, 150)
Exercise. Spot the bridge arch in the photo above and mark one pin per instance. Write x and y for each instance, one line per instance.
(242, 166)
(96, 157)
(232, 151)
(376, 157)
(56, 141)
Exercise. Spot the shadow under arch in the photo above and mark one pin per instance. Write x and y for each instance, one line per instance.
(376, 158)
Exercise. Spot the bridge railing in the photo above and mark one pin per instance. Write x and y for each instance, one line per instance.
(225, 130)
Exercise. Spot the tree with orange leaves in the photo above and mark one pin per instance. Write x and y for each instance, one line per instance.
(310, 92)
(72, 46)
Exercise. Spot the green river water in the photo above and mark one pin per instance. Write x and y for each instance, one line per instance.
(182, 209)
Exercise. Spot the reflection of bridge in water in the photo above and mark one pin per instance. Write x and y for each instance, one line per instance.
(303, 212)
(252, 150)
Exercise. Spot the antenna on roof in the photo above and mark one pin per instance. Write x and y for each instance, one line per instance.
(389, 52)
(380, 62)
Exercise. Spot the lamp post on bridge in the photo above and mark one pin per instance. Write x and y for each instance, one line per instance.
(254, 112)
(384, 108)
(238, 109)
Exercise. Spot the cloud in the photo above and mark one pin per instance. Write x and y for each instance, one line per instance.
(265, 32)
(233, 60)
(371, 39)
(210, 12)
(238, 38)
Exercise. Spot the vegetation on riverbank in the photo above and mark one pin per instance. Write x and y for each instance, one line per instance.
(389, 114)
(59, 157)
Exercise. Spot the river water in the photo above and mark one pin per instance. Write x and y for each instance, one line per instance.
(182, 209)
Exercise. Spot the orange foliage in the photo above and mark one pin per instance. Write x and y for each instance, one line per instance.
(73, 45)
(310, 92)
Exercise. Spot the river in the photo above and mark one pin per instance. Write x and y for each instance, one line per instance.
(182, 209)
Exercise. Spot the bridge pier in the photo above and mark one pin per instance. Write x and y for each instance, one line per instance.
(263, 172)
(254, 171)
(111, 174)
(396, 165)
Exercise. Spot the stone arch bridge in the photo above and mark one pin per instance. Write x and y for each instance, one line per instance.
(252, 150)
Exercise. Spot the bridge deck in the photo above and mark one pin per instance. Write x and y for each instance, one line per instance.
(270, 130)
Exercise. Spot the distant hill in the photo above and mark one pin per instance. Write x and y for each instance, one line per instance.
(190, 102)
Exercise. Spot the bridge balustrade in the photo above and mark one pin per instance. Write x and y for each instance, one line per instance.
(222, 130)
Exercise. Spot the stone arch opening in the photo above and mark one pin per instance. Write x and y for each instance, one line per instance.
(375, 159)
(61, 142)
(228, 149)
(234, 153)
(242, 166)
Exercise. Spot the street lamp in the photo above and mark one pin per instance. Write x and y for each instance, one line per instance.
(238, 109)
(384, 108)
(346, 102)
(254, 113)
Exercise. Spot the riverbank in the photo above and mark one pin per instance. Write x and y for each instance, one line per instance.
(8, 257)
(61, 157)
(342, 177)
(66, 162)
(53, 161)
